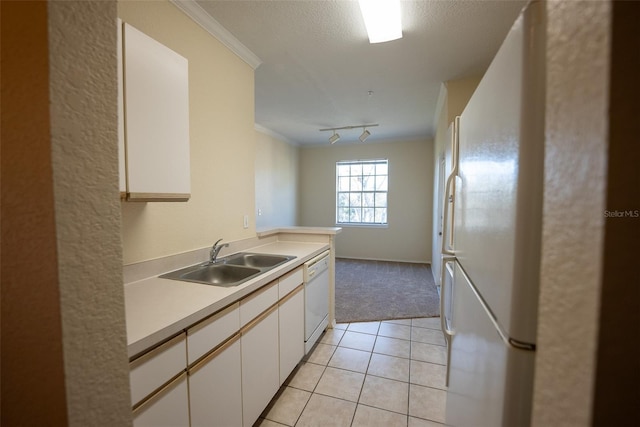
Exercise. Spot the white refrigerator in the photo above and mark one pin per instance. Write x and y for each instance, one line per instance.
(491, 249)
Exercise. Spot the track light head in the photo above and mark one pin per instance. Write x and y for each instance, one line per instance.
(365, 134)
(335, 137)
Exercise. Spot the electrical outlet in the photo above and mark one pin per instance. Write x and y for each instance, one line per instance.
(246, 221)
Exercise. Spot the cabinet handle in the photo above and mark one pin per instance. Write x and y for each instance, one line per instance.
(258, 291)
(157, 394)
(215, 316)
(214, 353)
(291, 294)
(156, 350)
(158, 197)
(258, 319)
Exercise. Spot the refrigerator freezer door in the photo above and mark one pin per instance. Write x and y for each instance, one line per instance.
(498, 206)
(490, 382)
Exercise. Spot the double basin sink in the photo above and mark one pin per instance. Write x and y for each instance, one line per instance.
(232, 270)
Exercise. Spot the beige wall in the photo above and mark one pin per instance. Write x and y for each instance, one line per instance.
(458, 94)
(276, 182)
(408, 236)
(223, 143)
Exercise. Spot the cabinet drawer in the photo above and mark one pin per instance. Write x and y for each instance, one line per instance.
(207, 334)
(168, 407)
(155, 368)
(289, 282)
(256, 303)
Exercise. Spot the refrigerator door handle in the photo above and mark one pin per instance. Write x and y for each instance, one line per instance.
(448, 333)
(508, 341)
(449, 198)
(443, 289)
(447, 240)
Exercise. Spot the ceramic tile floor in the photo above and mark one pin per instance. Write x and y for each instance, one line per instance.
(389, 373)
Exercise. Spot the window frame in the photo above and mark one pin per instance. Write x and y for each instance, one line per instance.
(362, 191)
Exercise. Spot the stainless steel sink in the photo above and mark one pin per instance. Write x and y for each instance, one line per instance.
(256, 260)
(214, 274)
(229, 271)
(221, 275)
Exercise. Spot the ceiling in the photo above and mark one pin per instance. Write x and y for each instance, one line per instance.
(318, 69)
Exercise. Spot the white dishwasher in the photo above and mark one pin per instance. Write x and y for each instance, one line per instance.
(316, 299)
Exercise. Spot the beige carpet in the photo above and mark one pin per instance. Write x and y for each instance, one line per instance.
(383, 290)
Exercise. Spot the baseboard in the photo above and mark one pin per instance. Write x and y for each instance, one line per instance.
(385, 260)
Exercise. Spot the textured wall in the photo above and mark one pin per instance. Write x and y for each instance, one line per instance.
(573, 215)
(276, 182)
(82, 45)
(222, 142)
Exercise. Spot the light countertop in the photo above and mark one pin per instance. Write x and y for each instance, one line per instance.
(157, 309)
(300, 230)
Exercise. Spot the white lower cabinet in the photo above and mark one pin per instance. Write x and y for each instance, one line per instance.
(215, 394)
(260, 365)
(291, 328)
(225, 369)
(168, 407)
(158, 384)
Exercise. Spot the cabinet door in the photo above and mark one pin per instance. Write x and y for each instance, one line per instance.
(168, 407)
(260, 365)
(291, 328)
(215, 395)
(156, 108)
(122, 166)
(157, 367)
(208, 334)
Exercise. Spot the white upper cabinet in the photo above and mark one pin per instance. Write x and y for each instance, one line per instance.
(122, 165)
(155, 107)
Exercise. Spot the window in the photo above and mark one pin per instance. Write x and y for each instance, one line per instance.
(361, 192)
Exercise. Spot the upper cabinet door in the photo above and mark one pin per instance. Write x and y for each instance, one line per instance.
(121, 147)
(156, 111)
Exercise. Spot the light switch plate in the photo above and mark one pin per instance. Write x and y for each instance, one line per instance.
(246, 221)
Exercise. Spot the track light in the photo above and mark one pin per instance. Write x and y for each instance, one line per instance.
(335, 137)
(365, 135)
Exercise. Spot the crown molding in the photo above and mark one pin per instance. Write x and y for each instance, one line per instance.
(200, 16)
(273, 134)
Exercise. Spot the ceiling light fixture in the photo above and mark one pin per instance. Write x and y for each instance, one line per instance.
(382, 19)
(335, 137)
(365, 135)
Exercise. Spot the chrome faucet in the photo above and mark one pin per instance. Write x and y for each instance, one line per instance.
(215, 250)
